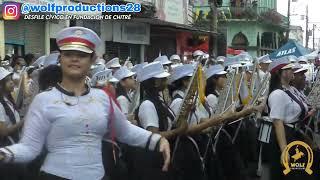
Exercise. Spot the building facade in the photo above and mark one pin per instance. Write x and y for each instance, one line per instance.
(253, 26)
(164, 27)
(296, 33)
(250, 25)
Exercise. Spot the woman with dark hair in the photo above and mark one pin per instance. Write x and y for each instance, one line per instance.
(10, 123)
(71, 119)
(125, 85)
(29, 58)
(231, 164)
(49, 77)
(216, 79)
(286, 112)
(153, 115)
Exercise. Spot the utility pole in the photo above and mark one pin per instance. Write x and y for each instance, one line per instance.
(313, 30)
(288, 15)
(307, 27)
(213, 38)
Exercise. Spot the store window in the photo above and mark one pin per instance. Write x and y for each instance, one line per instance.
(123, 51)
(15, 49)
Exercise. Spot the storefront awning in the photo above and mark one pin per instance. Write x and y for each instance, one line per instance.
(175, 26)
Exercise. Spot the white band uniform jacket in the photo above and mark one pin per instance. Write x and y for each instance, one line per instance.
(73, 134)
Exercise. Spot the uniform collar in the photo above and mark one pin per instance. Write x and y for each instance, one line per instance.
(68, 93)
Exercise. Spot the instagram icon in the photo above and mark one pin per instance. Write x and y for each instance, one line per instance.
(11, 11)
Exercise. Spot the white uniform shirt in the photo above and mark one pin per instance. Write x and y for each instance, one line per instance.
(124, 104)
(73, 134)
(283, 107)
(4, 118)
(212, 101)
(148, 116)
(199, 113)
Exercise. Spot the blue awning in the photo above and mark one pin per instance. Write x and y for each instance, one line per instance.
(290, 48)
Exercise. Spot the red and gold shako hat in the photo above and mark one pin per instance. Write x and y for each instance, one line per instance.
(281, 63)
(78, 39)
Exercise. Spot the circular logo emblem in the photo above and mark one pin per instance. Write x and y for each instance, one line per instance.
(78, 32)
(298, 156)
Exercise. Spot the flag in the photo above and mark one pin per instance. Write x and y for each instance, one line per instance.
(245, 93)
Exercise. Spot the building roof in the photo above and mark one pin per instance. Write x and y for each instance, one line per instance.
(154, 21)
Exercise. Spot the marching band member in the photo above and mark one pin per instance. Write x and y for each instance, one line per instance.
(153, 115)
(175, 59)
(293, 59)
(110, 148)
(205, 59)
(196, 54)
(220, 60)
(286, 111)
(10, 123)
(71, 118)
(299, 81)
(125, 85)
(113, 64)
(166, 63)
(216, 79)
(264, 63)
(194, 144)
(97, 67)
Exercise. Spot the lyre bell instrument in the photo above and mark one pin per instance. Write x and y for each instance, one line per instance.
(189, 97)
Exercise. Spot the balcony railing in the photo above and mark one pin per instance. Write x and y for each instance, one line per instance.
(229, 13)
(255, 13)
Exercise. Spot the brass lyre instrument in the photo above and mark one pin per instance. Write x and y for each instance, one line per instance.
(189, 97)
(226, 93)
(188, 102)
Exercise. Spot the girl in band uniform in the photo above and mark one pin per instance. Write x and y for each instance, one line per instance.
(286, 111)
(72, 118)
(10, 124)
(153, 115)
(125, 85)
